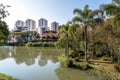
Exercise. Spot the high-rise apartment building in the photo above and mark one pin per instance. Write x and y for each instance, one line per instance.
(30, 24)
(43, 22)
(43, 26)
(19, 23)
(55, 26)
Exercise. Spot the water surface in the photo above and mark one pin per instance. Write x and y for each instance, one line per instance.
(38, 64)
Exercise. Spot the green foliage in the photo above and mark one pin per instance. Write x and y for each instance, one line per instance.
(103, 73)
(5, 77)
(82, 66)
(70, 62)
(65, 61)
(101, 50)
(60, 42)
(4, 32)
(40, 44)
(117, 67)
(3, 12)
(75, 38)
(72, 54)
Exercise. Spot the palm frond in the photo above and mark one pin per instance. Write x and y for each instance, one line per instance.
(95, 13)
(77, 11)
(116, 1)
(76, 19)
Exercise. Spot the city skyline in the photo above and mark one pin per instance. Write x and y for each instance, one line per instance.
(22, 23)
(52, 10)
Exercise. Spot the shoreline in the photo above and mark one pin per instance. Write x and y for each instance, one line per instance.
(6, 77)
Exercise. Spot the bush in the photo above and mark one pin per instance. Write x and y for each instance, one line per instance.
(29, 44)
(117, 67)
(51, 44)
(40, 44)
(69, 62)
(115, 58)
(65, 62)
(60, 42)
(72, 54)
(82, 66)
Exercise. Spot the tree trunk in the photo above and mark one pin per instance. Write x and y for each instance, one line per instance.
(66, 48)
(119, 60)
(93, 46)
(85, 42)
(119, 57)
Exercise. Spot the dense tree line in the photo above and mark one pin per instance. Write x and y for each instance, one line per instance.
(95, 33)
(4, 32)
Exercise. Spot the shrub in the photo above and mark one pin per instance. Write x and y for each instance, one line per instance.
(65, 61)
(82, 66)
(45, 44)
(117, 67)
(40, 44)
(69, 62)
(29, 44)
(72, 54)
(51, 44)
(115, 58)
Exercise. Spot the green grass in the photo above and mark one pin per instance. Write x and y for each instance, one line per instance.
(6, 77)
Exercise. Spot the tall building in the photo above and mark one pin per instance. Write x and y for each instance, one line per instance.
(55, 26)
(19, 25)
(30, 24)
(43, 26)
(43, 22)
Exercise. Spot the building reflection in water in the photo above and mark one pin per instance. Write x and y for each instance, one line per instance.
(29, 56)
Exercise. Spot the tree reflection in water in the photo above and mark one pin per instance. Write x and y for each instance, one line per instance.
(74, 74)
(30, 55)
(45, 58)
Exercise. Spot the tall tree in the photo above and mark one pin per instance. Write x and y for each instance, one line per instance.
(113, 12)
(75, 37)
(64, 29)
(86, 18)
(111, 9)
(3, 26)
(4, 32)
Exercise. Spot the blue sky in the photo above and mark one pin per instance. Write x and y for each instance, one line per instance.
(52, 10)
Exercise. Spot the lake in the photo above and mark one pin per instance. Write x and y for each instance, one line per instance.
(38, 64)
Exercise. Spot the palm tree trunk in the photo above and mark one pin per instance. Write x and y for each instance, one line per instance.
(93, 46)
(66, 48)
(119, 60)
(85, 42)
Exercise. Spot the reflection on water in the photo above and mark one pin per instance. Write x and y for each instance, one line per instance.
(74, 74)
(29, 55)
(37, 64)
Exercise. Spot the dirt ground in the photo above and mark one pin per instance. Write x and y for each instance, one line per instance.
(105, 66)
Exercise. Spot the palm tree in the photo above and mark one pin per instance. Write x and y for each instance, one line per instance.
(86, 18)
(64, 29)
(111, 9)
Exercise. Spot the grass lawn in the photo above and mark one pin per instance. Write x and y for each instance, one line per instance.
(6, 77)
